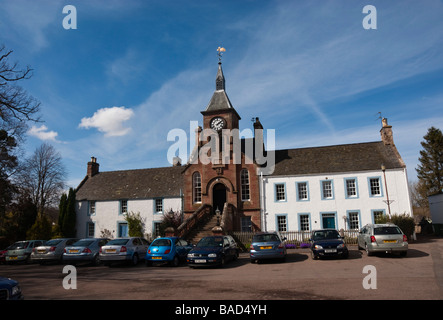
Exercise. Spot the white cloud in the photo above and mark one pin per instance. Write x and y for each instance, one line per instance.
(109, 120)
(42, 133)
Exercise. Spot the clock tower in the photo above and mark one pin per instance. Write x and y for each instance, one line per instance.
(219, 113)
(231, 186)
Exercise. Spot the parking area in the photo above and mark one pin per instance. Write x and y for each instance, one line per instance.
(419, 275)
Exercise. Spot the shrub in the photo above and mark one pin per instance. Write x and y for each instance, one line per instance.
(135, 224)
(403, 221)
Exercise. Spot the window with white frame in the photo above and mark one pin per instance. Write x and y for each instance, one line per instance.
(282, 224)
(244, 181)
(158, 205)
(91, 207)
(123, 206)
(351, 188)
(353, 220)
(246, 224)
(90, 230)
(156, 228)
(377, 215)
(327, 189)
(302, 189)
(197, 187)
(280, 193)
(304, 222)
(374, 184)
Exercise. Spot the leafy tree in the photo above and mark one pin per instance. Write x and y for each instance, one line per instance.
(430, 169)
(8, 163)
(62, 211)
(70, 215)
(41, 229)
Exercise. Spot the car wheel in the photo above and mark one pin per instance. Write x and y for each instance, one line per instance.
(134, 259)
(369, 253)
(403, 253)
(148, 263)
(313, 255)
(96, 260)
(223, 262)
(175, 262)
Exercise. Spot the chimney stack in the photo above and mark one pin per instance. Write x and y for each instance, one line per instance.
(386, 132)
(93, 167)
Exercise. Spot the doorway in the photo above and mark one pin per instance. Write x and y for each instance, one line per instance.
(218, 197)
(328, 220)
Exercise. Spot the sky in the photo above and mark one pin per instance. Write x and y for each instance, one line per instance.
(132, 71)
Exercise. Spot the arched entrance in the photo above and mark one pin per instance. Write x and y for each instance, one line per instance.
(218, 196)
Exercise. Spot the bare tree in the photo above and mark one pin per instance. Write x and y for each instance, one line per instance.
(16, 105)
(43, 177)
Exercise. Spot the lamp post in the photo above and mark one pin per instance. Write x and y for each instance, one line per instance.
(387, 201)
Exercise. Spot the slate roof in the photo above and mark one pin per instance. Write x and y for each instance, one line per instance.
(169, 181)
(335, 159)
(132, 184)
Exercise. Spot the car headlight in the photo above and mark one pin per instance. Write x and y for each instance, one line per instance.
(15, 290)
(212, 255)
(190, 255)
(341, 246)
(318, 247)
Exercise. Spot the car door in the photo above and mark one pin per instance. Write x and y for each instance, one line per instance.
(227, 248)
(179, 249)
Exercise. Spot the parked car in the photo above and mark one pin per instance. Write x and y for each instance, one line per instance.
(84, 250)
(168, 249)
(124, 249)
(382, 238)
(10, 289)
(21, 250)
(267, 245)
(52, 250)
(328, 242)
(213, 250)
(3, 255)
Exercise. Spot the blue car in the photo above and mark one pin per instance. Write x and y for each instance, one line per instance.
(328, 242)
(213, 250)
(10, 290)
(267, 245)
(168, 249)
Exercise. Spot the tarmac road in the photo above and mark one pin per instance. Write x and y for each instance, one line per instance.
(418, 276)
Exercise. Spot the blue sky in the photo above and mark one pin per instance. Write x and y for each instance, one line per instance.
(133, 70)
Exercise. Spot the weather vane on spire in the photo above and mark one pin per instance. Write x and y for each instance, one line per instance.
(220, 51)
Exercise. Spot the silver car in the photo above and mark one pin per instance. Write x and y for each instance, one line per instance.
(21, 250)
(382, 238)
(84, 250)
(124, 249)
(51, 250)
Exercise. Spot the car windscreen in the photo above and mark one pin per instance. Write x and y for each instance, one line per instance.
(161, 243)
(210, 242)
(83, 243)
(386, 230)
(53, 242)
(117, 242)
(19, 245)
(325, 235)
(265, 238)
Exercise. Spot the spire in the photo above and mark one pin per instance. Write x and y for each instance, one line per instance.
(220, 79)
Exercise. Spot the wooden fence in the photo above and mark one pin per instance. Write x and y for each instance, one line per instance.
(294, 239)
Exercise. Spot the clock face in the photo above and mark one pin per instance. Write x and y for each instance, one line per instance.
(217, 123)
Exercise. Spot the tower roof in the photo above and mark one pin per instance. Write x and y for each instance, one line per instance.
(220, 100)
